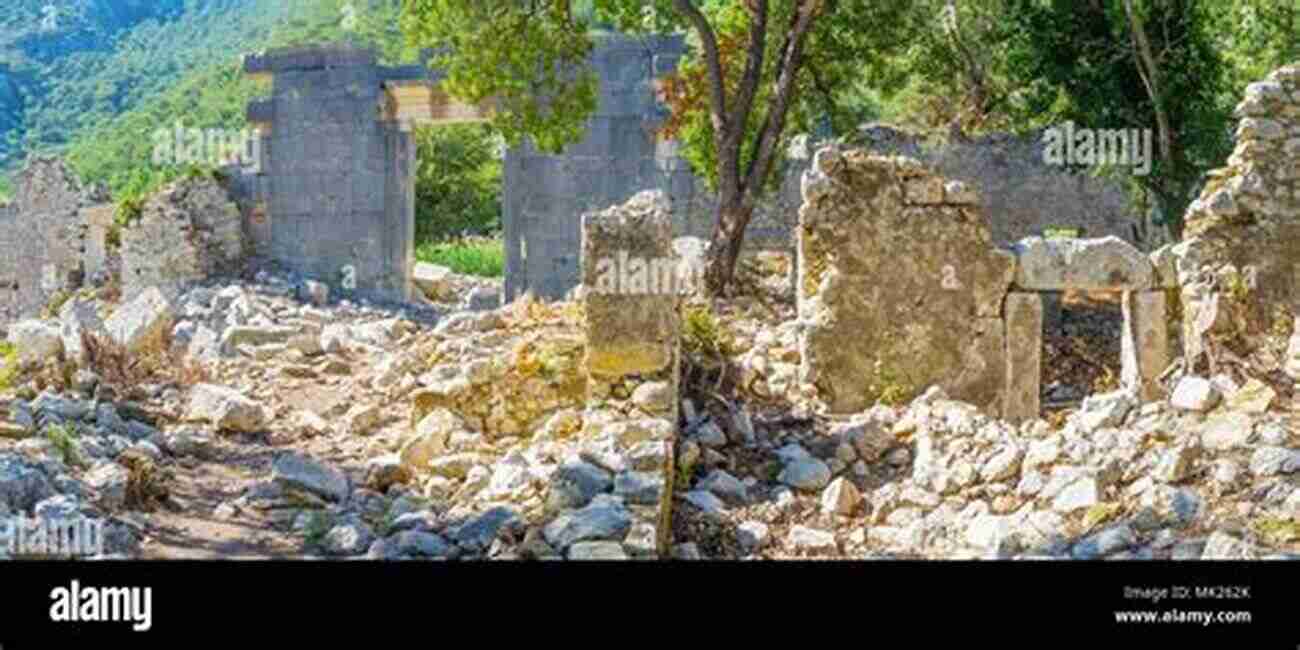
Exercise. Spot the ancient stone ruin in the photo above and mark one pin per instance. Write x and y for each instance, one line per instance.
(901, 289)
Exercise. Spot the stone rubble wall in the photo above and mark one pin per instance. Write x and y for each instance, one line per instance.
(1239, 262)
(187, 232)
(42, 234)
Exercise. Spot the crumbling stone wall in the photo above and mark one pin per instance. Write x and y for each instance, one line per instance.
(632, 360)
(900, 287)
(1239, 262)
(188, 231)
(333, 197)
(42, 234)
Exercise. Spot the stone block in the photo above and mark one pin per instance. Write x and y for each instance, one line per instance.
(1106, 264)
(1024, 326)
(1144, 346)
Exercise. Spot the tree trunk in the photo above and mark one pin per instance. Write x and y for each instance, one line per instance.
(724, 246)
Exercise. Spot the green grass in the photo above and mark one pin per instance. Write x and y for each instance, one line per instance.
(64, 438)
(482, 257)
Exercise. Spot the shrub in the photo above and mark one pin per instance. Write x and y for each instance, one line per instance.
(125, 371)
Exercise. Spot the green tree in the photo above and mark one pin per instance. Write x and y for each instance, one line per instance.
(457, 182)
(758, 70)
(1144, 64)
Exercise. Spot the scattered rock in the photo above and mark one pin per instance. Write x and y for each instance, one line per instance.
(296, 471)
(1195, 394)
(226, 409)
(806, 473)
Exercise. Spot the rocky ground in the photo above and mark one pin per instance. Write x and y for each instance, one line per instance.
(305, 426)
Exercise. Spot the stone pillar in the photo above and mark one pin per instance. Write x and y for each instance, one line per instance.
(632, 362)
(1144, 349)
(1024, 326)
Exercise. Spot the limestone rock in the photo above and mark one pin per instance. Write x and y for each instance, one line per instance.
(1109, 263)
(142, 323)
(1254, 397)
(108, 480)
(226, 409)
(298, 471)
(841, 497)
(434, 281)
(811, 540)
(37, 342)
(22, 484)
(1195, 394)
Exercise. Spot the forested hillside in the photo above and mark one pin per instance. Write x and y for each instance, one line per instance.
(93, 78)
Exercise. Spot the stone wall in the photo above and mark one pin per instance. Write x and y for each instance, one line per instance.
(186, 232)
(42, 234)
(1239, 262)
(901, 289)
(333, 198)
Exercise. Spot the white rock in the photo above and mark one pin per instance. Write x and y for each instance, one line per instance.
(226, 408)
(435, 282)
(35, 341)
(1195, 394)
(841, 497)
(143, 322)
(810, 539)
(1079, 495)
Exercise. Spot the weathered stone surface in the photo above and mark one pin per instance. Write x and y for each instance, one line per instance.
(1253, 397)
(1024, 325)
(598, 551)
(298, 471)
(1196, 394)
(811, 540)
(226, 408)
(186, 232)
(1103, 264)
(1223, 546)
(1292, 366)
(1104, 410)
(895, 296)
(143, 323)
(1144, 343)
(108, 480)
(36, 341)
(596, 522)
(430, 439)
(22, 484)
(1226, 431)
(841, 498)
(434, 281)
(805, 473)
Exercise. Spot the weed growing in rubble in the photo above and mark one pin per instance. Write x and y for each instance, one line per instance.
(702, 334)
(8, 365)
(64, 439)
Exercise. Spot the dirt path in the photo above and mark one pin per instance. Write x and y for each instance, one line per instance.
(195, 530)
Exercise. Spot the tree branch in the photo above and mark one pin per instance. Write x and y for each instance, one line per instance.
(773, 126)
